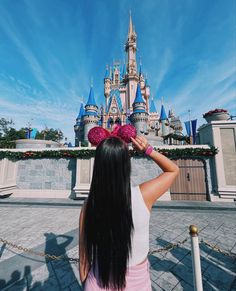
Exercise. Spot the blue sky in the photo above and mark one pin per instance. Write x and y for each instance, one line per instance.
(51, 49)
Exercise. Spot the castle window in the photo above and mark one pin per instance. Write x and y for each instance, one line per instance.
(110, 122)
(116, 79)
(118, 121)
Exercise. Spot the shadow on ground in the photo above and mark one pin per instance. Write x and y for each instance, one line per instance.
(174, 269)
(60, 272)
(169, 271)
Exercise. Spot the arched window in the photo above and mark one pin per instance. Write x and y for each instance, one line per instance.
(116, 79)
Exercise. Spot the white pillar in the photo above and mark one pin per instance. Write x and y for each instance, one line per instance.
(196, 263)
(84, 172)
(8, 170)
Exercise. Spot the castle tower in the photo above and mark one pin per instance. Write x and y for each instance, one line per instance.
(147, 93)
(116, 75)
(153, 119)
(175, 123)
(78, 127)
(141, 77)
(164, 122)
(107, 85)
(90, 118)
(132, 76)
(124, 72)
(139, 117)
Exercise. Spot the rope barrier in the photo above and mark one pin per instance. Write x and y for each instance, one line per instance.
(166, 249)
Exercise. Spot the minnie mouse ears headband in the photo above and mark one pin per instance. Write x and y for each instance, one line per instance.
(125, 132)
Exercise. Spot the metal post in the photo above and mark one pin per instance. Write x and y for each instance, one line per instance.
(196, 264)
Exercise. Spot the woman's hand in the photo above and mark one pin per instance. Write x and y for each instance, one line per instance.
(140, 143)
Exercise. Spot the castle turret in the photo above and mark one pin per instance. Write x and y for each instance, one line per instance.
(78, 127)
(132, 75)
(164, 122)
(116, 75)
(147, 89)
(90, 118)
(107, 85)
(124, 71)
(153, 118)
(175, 123)
(139, 117)
(141, 77)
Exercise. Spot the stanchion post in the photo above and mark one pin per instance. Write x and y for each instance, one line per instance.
(196, 263)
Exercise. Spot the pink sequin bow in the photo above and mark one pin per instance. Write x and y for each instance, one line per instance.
(125, 132)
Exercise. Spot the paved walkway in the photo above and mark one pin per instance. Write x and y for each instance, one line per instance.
(53, 228)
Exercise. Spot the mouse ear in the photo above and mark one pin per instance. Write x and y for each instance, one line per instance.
(127, 131)
(97, 134)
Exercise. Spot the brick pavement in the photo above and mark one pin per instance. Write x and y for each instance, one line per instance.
(55, 230)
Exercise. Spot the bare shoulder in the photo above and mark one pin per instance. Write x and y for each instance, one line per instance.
(155, 188)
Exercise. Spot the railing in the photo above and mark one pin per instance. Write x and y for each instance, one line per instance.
(196, 263)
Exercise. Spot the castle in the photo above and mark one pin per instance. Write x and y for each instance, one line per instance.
(127, 100)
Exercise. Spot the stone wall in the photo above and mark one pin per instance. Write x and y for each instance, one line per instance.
(53, 174)
(59, 174)
(143, 169)
(71, 177)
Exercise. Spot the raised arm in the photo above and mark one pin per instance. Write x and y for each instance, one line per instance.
(154, 188)
(83, 262)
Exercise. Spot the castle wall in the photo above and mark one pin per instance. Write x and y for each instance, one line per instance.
(67, 178)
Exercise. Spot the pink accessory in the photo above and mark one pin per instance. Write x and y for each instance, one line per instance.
(149, 150)
(125, 132)
(97, 134)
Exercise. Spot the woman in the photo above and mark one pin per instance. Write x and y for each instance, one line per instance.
(114, 221)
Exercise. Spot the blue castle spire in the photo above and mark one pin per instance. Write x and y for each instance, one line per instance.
(139, 103)
(163, 115)
(140, 70)
(107, 74)
(91, 100)
(152, 107)
(81, 111)
(124, 70)
(138, 97)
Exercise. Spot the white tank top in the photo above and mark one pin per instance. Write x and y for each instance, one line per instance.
(140, 238)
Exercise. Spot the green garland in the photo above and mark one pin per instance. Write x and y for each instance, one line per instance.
(89, 153)
(177, 137)
(188, 152)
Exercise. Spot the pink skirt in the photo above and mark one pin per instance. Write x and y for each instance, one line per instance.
(137, 278)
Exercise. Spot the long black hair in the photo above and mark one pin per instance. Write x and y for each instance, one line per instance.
(108, 220)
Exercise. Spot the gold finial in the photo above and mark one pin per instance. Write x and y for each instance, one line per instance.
(193, 230)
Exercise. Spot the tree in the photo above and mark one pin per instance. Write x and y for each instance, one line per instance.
(5, 126)
(50, 134)
(8, 134)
